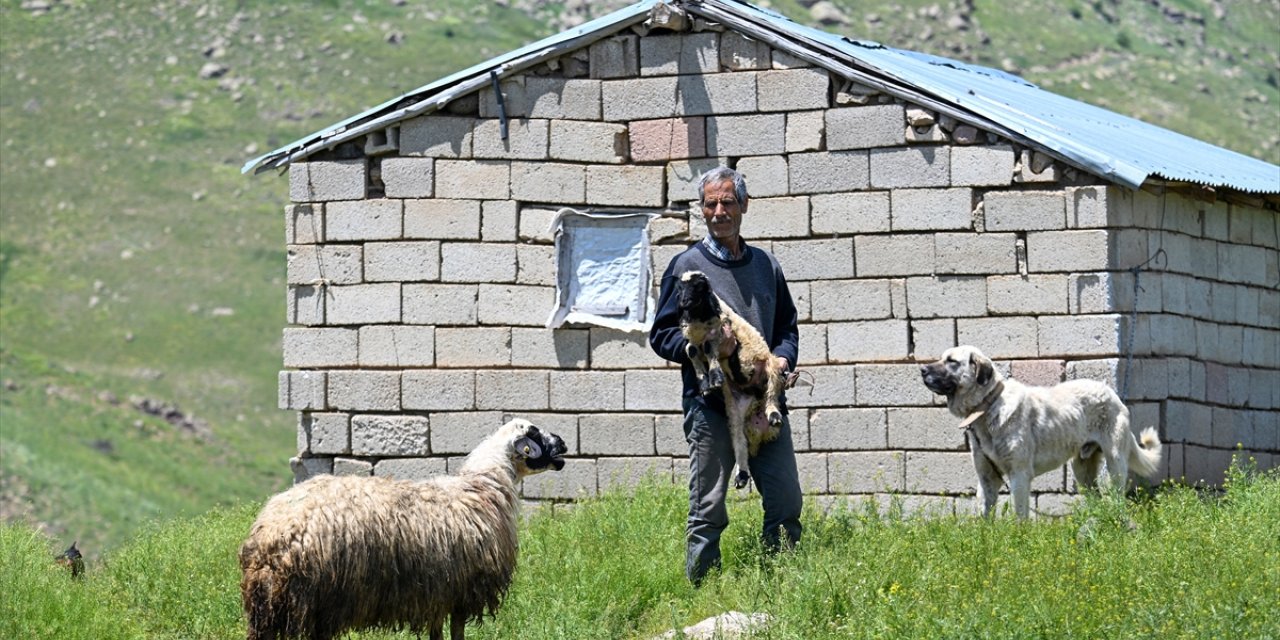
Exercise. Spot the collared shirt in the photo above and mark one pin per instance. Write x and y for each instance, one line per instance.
(718, 250)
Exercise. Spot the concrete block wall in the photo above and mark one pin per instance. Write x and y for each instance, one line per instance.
(419, 281)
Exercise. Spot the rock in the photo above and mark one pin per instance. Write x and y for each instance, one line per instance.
(827, 14)
(213, 70)
(726, 625)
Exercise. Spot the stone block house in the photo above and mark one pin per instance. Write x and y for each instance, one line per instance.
(915, 203)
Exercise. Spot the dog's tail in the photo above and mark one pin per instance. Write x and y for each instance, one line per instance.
(1144, 453)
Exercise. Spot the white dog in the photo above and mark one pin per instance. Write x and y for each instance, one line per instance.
(1017, 432)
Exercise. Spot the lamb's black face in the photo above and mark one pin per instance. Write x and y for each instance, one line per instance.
(541, 449)
(694, 297)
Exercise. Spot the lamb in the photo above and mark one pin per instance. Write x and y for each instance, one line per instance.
(704, 318)
(337, 553)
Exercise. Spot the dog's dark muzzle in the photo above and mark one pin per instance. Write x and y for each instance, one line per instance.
(937, 380)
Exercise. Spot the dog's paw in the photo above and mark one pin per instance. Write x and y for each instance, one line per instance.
(740, 482)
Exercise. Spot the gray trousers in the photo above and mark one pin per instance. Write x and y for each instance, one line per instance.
(773, 470)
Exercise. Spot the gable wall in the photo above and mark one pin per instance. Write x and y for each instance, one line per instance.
(419, 280)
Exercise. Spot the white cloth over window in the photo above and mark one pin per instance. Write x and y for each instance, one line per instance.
(602, 269)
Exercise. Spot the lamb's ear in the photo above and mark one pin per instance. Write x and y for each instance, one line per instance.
(985, 370)
(527, 448)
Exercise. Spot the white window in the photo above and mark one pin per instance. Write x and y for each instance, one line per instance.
(602, 269)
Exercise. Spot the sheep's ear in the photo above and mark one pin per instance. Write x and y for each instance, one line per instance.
(527, 448)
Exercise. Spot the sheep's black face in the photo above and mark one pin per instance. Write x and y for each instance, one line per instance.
(541, 450)
(694, 297)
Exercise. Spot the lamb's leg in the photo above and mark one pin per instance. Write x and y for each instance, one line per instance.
(711, 350)
(772, 392)
(738, 436)
(699, 361)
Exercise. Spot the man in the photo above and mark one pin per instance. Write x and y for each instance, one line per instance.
(750, 281)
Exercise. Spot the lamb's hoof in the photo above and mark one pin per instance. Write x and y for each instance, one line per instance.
(704, 386)
(741, 481)
(715, 379)
(775, 418)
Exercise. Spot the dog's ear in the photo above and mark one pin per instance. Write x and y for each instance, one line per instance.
(985, 370)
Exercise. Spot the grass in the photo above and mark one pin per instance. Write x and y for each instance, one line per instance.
(1176, 563)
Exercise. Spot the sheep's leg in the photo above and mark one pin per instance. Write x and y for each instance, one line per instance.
(772, 392)
(711, 349)
(735, 408)
(697, 356)
(457, 626)
(437, 630)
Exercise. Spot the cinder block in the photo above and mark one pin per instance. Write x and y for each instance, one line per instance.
(741, 53)
(304, 305)
(667, 138)
(776, 218)
(1028, 295)
(1007, 337)
(588, 141)
(1207, 466)
(975, 253)
(1049, 251)
(939, 472)
(849, 213)
(363, 220)
(644, 99)
(624, 434)
(812, 468)
(865, 471)
(355, 390)
(575, 481)
(440, 304)
(526, 140)
(867, 341)
(1090, 207)
(304, 224)
(397, 346)
(716, 94)
(438, 390)
(437, 136)
(932, 337)
(924, 428)
(833, 386)
(474, 179)
(549, 182)
(464, 347)
(621, 474)
(1024, 210)
(587, 391)
(814, 339)
(844, 429)
(947, 297)
(850, 300)
(669, 437)
(829, 171)
(401, 261)
(793, 89)
(815, 259)
(412, 469)
(749, 135)
(547, 348)
(615, 349)
(883, 385)
(919, 166)
(1092, 293)
(683, 177)
(983, 166)
(306, 468)
(352, 467)
(545, 97)
(515, 305)
(442, 219)
(784, 60)
(1245, 264)
(408, 177)
(477, 262)
(498, 220)
(362, 304)
(893, 255)
(679, 53)
(331, 264)
(389, 436)
(1091, 335)
(879, 125)
(536, 264)
(766, 176)
(302, 390)
(931, 209)
(652, 390)
(806, 131)
(615, 57)
(327, 180)
(512, 390)
(626, 185)
(459, 433)
(325, 433)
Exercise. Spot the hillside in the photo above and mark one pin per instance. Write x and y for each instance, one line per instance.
(142, 276)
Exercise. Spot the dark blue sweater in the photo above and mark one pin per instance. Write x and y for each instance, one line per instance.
(752, 285)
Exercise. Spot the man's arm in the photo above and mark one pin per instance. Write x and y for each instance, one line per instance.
(665, 337)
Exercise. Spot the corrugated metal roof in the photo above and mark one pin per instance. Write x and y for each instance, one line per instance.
(1116, 147)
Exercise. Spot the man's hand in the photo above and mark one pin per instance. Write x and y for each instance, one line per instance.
(728, 341)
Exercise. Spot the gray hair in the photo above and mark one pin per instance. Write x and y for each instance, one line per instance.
(720, 174)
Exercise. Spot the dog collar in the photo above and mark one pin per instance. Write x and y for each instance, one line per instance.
(986, 403)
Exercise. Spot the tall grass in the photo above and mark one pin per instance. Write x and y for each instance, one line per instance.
(1176, 563)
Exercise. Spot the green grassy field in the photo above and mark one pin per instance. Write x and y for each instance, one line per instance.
(136, 262)
(1175, 564)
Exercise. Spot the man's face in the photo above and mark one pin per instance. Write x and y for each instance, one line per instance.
(722, 212)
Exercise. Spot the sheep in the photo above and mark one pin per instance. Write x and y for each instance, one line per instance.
(336, 553)
(704, 318)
